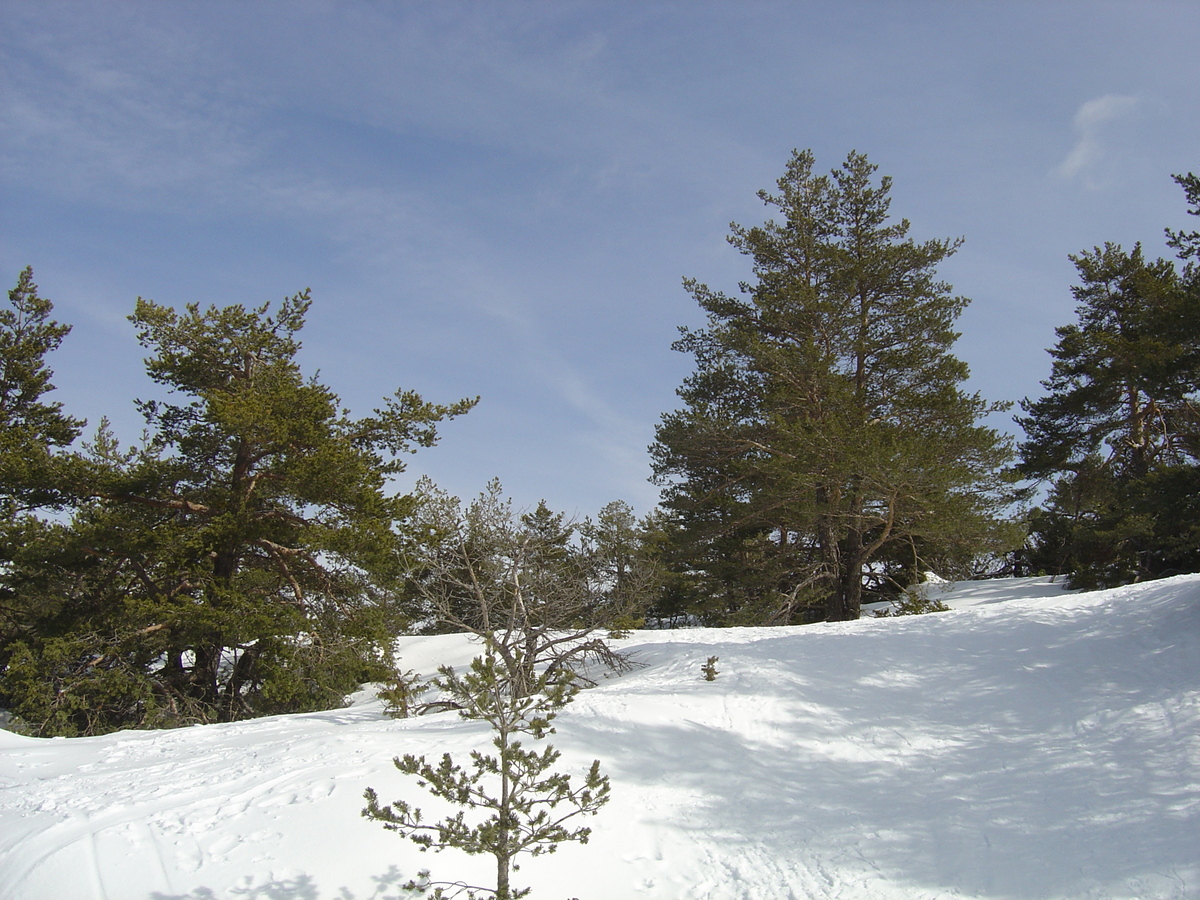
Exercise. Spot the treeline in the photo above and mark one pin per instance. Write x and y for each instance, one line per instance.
(250, 555)
(826, 453)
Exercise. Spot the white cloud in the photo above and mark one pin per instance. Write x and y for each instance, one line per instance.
(1089, 122)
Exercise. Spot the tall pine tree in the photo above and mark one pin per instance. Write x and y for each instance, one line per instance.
(825, 428)
(1117, 434)
(35, 469)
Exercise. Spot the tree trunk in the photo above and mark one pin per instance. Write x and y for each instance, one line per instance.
(845, 605)
(501, 846)
(852, 592)
(830, 554)
(503, 891)
(233, 706)
(205, 671)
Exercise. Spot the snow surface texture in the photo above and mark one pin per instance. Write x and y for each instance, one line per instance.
(1044, 746)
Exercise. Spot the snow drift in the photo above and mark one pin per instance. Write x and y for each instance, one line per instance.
(1046, 746)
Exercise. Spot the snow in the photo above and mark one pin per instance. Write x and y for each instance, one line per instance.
(962, 594)
(1031, 743)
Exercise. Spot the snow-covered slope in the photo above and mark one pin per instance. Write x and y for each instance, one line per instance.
(1034, 748)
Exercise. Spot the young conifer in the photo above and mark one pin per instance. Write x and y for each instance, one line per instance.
(510, 801)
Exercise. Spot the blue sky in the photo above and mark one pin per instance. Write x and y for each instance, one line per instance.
(502, 198)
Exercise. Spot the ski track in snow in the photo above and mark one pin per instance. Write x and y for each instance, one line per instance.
(1045, 747)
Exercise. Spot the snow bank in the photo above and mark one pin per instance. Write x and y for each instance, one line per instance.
(1046, 746)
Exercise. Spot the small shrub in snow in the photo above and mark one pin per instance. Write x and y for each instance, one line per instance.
(913, 603)
(710, 669)
(400, 693)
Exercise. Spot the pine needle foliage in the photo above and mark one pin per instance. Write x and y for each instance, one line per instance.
(510, 800)
(1116, 435)
(826, 422)
(244, 559)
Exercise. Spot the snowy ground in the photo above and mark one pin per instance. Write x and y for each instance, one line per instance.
(1030, 744)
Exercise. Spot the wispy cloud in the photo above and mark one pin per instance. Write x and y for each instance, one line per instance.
(500, 199)
(1089, 151)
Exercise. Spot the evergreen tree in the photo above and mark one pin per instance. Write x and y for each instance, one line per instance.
(31, 429)
(623, 565)
(517, 790)
(243, 561)
(825, 423)
(35, 470)
(1117, 433)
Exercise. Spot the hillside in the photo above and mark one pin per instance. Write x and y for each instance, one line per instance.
(1029, 744)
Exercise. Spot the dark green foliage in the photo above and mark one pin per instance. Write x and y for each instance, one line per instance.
(31, 429)
(913, 602)
(400, 692)
(824, 423)
(244, 560)
(1117, 434)
(510, 800)
(36, 472)
(622, 566)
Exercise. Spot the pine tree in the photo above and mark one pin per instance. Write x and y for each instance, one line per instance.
(825, 423)
(246, 559)
(517, 790)
(31, 429)
(623, 567)
(36, 472)
(1117, 433)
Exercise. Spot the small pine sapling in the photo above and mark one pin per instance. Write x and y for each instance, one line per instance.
(710, 669)
(516, 790)
(912, 603)
(399, 694)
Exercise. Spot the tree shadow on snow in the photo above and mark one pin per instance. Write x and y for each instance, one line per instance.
(302, 887)
(1023, 758)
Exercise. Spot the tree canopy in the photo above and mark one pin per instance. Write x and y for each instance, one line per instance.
(31, 427)
(825, 436)
(35, 470)
(244, 559)
(1117, 433)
